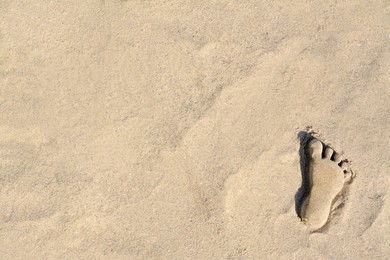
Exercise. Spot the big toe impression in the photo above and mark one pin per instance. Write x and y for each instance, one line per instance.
(315, 149)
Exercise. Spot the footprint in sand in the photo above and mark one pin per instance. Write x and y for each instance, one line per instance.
(327, 176)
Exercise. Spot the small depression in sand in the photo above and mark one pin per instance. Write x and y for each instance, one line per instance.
(325, 176)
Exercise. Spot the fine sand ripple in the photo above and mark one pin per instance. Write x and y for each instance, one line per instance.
(135, 129)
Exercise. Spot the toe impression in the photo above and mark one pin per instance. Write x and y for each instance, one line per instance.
(328, 152)
(337, 158)
(315, 149)
(344, 165)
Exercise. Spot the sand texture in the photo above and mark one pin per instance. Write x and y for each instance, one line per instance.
(170, 129)
(328, 176)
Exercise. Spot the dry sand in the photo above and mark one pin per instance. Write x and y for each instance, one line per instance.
(168, 129)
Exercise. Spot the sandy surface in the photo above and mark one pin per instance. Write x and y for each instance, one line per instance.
(168, 129)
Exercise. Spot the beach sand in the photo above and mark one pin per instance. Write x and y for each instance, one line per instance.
(170, 129)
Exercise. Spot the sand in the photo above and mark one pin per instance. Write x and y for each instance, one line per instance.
(169, 129)
(328, 177)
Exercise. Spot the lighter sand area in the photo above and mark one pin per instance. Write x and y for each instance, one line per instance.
(169, 129)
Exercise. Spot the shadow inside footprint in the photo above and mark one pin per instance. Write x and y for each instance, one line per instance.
(304, 157)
